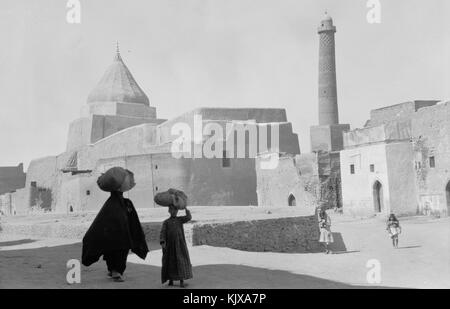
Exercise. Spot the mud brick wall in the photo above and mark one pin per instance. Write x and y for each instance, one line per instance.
(297, 234)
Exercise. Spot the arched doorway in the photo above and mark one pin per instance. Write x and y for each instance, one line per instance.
(447, 193)
(291, 200)
(378, 196)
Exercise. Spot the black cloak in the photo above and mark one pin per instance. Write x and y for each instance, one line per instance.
(116, 227)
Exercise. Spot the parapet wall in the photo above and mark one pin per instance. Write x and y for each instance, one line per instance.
(396, 112)
(387, 132)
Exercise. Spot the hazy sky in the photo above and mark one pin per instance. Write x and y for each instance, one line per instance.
(217, 53)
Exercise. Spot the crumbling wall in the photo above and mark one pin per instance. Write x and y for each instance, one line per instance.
(329, 172)
(330, 192)
(42, 183)
(41, 199)
(313, 179)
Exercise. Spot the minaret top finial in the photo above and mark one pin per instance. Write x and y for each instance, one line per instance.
(117, 57)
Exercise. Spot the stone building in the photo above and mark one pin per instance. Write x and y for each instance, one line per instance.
(399, 162)
(118, 127)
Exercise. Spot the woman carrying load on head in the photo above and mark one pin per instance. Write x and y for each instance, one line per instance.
(116, 228)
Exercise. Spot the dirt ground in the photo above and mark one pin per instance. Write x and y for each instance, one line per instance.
(422, 261)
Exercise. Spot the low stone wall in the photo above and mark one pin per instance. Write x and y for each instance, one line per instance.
(152, 231)
(298, 234)
(45, 230)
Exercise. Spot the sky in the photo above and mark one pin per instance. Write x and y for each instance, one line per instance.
(212, 53)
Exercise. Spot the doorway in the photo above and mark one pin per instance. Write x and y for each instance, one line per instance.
(291, 200)
(447, 193)
(378, 196)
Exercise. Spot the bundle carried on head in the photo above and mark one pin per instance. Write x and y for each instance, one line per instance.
(171, 198)
(113, 179)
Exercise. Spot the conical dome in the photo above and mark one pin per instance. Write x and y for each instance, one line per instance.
(118, 85)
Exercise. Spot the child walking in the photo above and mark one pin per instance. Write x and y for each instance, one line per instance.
(394, 229)
(176, 264)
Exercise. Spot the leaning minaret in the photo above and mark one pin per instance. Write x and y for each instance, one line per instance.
(327, 136)
(328, 108)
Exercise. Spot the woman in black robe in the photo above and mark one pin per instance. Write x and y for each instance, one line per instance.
(114, 232)
(176, 264)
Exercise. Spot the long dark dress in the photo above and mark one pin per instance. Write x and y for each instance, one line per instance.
(176, 264)
(115, 230)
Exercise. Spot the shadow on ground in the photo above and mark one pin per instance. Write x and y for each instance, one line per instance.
(409, 247)
(16, 242)
(46, 268)
(338, 244)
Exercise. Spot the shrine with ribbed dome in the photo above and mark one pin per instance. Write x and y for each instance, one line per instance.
(116, 103)
(118, 126)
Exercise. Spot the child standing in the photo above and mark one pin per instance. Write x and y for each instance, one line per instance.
(326, 236)
(176, 264)
(394, 229)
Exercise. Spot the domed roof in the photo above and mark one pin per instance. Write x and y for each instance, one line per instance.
(118, 85)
